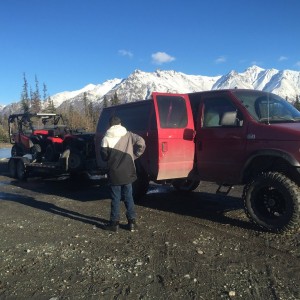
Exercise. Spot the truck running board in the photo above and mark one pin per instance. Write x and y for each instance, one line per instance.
(224, 189)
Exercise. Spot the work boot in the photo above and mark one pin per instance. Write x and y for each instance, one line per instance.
(112, 226)
(132, 225)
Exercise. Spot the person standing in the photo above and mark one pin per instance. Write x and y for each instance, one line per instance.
(119, 148)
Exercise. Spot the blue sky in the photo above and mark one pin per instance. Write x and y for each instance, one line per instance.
(68, 44)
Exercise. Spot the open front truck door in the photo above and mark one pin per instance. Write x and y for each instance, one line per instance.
(175, 126)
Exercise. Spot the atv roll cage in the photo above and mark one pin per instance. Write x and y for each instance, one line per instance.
(27, 123)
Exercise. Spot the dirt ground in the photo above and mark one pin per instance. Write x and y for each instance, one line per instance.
(188, 246)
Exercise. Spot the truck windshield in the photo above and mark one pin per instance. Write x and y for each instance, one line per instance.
(267, 107)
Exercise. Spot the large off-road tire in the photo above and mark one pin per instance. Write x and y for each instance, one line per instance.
(272, 201)
(21, 170)
(185, 185)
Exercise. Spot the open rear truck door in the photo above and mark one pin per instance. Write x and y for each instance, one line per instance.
(175, 126)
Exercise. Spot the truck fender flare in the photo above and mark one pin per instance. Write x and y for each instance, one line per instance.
(272, 153)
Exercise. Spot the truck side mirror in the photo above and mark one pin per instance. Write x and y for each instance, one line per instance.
(229, 119)
(188, 134)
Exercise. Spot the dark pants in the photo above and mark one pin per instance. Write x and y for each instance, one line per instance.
(119, 192)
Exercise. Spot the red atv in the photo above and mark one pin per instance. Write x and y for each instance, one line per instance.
(29, 133)
(45, 136)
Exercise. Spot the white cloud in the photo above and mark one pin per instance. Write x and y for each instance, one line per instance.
(160, 58)
(125, 53)
(256, 63)
(282, 58)
(298, 64)
(220, 60)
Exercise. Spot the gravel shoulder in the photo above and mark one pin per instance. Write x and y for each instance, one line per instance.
(188, 246)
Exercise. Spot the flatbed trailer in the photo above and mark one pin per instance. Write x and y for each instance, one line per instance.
(22, 167)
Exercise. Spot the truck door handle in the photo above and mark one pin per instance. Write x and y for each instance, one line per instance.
(164, 146)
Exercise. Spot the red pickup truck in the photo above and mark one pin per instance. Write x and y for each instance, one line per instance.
(231, 137)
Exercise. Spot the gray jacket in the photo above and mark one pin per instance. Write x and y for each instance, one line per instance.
(120, 148)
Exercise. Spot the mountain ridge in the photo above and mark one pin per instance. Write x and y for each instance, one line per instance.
(139, 85)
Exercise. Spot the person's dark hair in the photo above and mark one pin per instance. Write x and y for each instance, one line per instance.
(114, 120)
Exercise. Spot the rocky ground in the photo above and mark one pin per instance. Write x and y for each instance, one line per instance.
(188, 246)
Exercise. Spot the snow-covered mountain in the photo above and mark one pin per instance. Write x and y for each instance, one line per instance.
(139, 85)
(285, 83)
(93, 93)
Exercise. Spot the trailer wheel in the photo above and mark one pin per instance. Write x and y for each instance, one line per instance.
(21, 170)
(12, 168)
(185, 185)
(272, 202)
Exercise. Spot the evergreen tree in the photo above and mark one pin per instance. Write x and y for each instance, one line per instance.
(105, 101)
(85, 104)
(115, 100)
(24, 96)
(48, 102)
(4, 136)
(36, 98)
(297, 103)
(91, 110)
(50, 108)
(45, 92)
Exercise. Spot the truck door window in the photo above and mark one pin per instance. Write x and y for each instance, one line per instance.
(136, 117)
(132, 116)
(172, 112)
(219, 111)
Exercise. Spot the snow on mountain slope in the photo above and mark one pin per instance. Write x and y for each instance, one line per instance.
(253, 78)
(93, 94)
(92, 91)
(286, 83)
(59, 98)
(139, 85)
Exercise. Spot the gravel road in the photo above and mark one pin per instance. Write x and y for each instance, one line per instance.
(188, 246)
